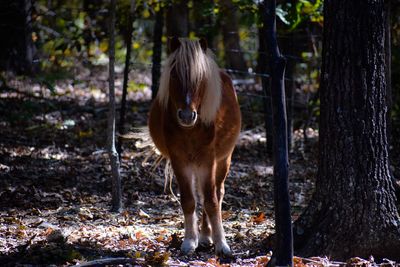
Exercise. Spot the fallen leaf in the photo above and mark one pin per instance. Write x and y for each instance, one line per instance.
(259, 218)
(143, 214)
(298, 262)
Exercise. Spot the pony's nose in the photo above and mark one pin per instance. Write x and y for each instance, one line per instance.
(187, 117)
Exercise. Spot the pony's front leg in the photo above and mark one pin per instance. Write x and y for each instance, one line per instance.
(185, 181)
(213, 210)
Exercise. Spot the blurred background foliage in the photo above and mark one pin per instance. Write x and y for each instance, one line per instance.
(70, 32)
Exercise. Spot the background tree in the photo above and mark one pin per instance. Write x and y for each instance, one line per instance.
(205, 20)
(16, 48)
(177, 19)
(157, 50)
(128, 40)
(230, 34)
(353, 210)
(112, 151)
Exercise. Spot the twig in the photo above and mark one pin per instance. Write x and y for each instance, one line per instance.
(107, 261)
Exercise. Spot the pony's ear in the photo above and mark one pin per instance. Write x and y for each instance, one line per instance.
(173, 44)
(203, 44)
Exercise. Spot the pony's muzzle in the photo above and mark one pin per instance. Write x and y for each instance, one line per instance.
(186, 117)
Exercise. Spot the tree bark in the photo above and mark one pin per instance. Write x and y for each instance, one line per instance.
(177, 20)
(353, 211)
(16, 47)
(157, 52)
(116, 202)
(234, 58)
(288, 47)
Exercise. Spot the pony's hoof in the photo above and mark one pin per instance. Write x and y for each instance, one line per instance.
(188, 246)
(205, 241)
(223, 251)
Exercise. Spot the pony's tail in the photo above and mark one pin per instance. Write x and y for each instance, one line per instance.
(148, 150)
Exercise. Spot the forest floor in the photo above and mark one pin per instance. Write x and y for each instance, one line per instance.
(55, 185)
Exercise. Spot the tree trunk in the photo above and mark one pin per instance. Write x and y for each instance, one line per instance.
(283, 248)
(353, 211)
(112, 151)
(157, 52)
(289, 48)
(204, 20)
(177, 20)
(230, 33)
(16, 46)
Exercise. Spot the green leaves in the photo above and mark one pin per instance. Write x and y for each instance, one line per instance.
(303, 10)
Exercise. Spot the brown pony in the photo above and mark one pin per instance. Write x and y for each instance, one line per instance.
(194, 122)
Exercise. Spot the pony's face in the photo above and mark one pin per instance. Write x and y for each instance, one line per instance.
(190, 85)
(185, 101)
(185, 95)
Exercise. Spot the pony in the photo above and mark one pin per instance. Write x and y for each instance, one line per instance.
(194, 122)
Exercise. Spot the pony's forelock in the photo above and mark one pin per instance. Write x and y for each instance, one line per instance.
(192, 66)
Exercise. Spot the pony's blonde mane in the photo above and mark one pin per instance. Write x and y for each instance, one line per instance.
(192, 66)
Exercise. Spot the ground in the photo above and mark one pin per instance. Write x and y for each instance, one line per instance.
(55, 184)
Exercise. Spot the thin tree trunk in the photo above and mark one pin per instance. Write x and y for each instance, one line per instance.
(16, 46)
(121, 127)
(234, 58)
(283, 251)
(157, 51)
(353, 210)
(290, 87)
(112, 151)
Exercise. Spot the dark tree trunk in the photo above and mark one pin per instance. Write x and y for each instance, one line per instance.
(353, 211)
(290, 88)
(230, 33)
(157, 52)
(177, 19)
(16, 46)
(288, 47)
(283, 248)
(388, 57)
(390, 94)
(112, 151)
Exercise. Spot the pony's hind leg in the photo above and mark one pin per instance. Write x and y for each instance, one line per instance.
(205, 239)
(221, 173)
(185, 180)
